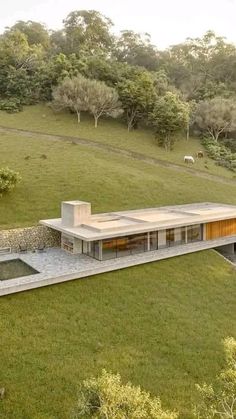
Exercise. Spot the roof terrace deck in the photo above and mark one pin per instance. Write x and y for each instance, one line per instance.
(105, 225)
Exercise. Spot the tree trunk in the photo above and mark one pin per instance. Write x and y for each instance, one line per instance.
(187, 132)
(96, 121)
(78, 117)
(217, 136)
(130, 120)
(167, 143)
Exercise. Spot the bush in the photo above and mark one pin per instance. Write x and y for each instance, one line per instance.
(106, 397)
(12, 105)
(219, 401)
(220, 153)
(8, 179)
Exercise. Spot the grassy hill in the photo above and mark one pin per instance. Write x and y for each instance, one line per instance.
(160, 325)
(42, 118)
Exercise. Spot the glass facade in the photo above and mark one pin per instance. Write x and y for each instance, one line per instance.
(194, 233)
(138, 243)
(124, 246)
(93, 249)
(153, 235)
(170, 237)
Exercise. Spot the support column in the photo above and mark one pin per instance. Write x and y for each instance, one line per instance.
(148, 241)
(227, 249)
(100, 250)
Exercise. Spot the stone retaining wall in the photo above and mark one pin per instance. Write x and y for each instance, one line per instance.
(29, 237)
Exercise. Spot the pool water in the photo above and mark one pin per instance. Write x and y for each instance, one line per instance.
(15, 268)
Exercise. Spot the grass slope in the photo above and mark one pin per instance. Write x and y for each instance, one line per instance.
(160, 325)
(110, 182)
(42, 118)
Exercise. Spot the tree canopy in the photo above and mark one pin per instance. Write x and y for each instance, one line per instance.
(106, 397)
(200, 73)
(168, 117)
(216, 116)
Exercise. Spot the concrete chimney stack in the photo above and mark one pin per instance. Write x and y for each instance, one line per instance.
(75, 213)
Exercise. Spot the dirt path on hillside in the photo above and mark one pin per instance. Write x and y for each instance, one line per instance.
(119, 151)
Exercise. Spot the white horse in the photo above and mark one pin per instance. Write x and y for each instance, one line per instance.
(189, 159)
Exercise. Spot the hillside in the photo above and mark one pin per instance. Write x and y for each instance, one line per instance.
(160, 325)
(42, 118)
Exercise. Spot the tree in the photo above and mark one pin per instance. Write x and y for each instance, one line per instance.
(106, 397)
(220, 402)
(216, 116)
(8, 180)
(136, 49)
(72, 94)
(89, 30)
(137, 95)
(202, 67)
(103, 100)
(169, 116)
(20, 64)
(35, 32)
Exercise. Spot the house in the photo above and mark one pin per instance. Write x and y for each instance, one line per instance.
(184, 228)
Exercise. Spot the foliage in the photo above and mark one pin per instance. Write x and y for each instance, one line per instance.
(169, 116)
(216, 116)
(72, 94)
(106, 397)
(220, 153)
(220, 402)
(102, 100)
(202, 68)
(137, 95)
(136, 50)
(87, 30)
(35, 60)
(80, 94)
(11, 105)
(35, 32)
(8, 180)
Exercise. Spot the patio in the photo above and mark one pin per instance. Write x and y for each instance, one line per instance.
(55, 265)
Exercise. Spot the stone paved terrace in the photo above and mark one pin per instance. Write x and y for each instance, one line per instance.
(55, 265)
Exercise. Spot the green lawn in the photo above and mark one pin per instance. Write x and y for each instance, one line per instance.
(110, 182)
(160, 325)
(113, 132)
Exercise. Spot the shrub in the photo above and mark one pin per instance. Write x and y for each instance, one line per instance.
(220, 153)
(8, 179)
(106, 397)
(12, 105)
(219, 401)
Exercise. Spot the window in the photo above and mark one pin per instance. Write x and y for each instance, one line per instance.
(109, 249)
(194, 233)
(138, 243)
(153, 240)
(170, 237)
(93, 249)
(124, 246)
(179, 235)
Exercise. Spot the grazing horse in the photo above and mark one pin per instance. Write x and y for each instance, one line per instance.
(199, 154)
(189, 159)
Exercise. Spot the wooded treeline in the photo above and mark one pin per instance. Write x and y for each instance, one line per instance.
(193, 83)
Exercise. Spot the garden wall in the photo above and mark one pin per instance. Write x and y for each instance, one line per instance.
(29, 237)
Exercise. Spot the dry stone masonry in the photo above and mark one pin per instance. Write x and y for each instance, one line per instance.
(30, 238)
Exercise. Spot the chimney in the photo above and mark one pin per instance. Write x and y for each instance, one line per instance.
(74, 213)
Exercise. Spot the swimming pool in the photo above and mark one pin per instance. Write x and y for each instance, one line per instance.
(15, 268)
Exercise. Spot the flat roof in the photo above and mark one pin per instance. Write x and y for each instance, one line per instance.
(121, 223)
